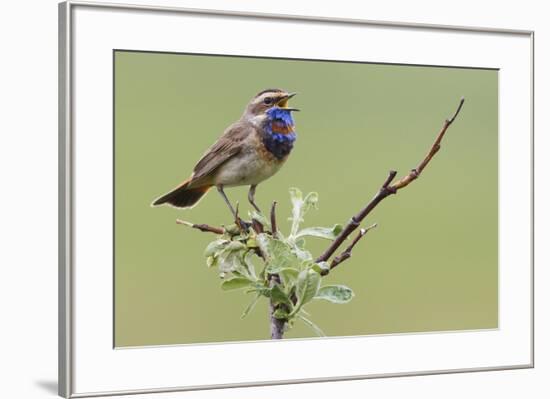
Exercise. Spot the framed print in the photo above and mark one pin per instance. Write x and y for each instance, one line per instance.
(337, 199)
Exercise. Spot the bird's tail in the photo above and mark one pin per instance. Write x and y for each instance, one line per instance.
(182, 196)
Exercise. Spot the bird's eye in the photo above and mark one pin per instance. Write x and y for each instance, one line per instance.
(268, 100)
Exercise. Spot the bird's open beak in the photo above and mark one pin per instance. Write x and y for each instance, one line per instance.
(283, 102)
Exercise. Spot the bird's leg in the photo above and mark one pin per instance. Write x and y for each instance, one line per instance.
(242, 224)
(251, 194)
(222, 193)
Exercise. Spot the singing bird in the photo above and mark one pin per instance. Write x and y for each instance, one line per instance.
(250, 151)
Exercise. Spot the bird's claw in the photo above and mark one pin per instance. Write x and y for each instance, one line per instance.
(243, 225)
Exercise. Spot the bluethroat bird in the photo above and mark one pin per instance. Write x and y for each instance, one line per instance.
(250, 151)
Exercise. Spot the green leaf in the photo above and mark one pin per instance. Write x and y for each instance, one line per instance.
(289, 276)
(232, 229)
(300, 206)
(296, 196)
(310, 201)
(329, 233)
(240, 267)
(261, 290)
(235, 283)
(306, 287)
(242, 238)
(278, 296)
(335, 293)
(235, 246)
(298, 247)
(297, 207)
(230, 257)
(280, 314)
(250, 264)
(226, 262)
(263, 241)
(303, 312)
(251, 305)
(279, 254)
(313, 326)
(215, 247)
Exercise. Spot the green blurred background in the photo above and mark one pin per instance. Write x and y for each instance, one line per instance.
(430, 266)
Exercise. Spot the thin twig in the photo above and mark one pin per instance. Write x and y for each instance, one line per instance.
(356, 220)
(237, 218)
(273, 219)
(241, 224)
(388, 189)
(389, 179)
(257, 226)
(415, 173)
(202, 227)
(348, 251)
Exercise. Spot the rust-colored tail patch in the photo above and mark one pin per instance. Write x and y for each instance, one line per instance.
(182, 196)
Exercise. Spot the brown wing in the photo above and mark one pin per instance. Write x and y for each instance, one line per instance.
(227, 146)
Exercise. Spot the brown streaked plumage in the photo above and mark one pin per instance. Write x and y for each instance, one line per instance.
(245, 154)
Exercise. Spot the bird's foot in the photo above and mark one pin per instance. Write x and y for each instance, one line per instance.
(243, 224)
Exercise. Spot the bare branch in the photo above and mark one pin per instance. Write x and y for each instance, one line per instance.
(257, 226)
(356, 220)
(348, 251)
(436, 146)
(389, 179)
(449, 121)
(277, 325)
(202, 227)
(387, 189)
(237, 217)
(273, 219)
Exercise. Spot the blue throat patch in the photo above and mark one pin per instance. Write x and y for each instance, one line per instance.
(279, 134)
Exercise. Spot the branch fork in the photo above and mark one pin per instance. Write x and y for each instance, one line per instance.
(388, 188)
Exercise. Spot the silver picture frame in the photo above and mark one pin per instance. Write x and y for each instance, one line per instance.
(66, 185)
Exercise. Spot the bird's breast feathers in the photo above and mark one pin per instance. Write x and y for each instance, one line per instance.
(253, 165)
(248, 153)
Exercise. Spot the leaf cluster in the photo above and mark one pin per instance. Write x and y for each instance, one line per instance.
(247, 260)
